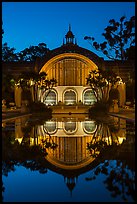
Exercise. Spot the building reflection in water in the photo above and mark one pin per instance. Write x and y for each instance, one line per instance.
(71, 136)
(71, 157)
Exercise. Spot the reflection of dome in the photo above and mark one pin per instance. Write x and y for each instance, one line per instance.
(71, 152)
(70, 182)
(71, 175)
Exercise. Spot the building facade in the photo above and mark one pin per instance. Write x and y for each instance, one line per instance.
(70, 65)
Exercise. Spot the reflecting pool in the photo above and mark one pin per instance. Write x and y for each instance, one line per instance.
(68, 159)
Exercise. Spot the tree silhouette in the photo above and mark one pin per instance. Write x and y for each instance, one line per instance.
(7, 88)
(30, 82)
(119, 38)
(101, 82)
(119, 172)
(14, 153)
(119, 179)
(8, 54)
(31, 53)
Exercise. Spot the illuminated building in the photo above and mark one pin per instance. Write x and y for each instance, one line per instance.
(70, 65)
(71, 157)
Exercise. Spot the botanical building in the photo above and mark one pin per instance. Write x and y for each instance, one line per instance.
(70, 65)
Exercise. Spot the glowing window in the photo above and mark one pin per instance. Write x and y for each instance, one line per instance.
(49, 127)
(89, 98)
(70, 97)
(89, 126)
(50, 98)
(70, 127)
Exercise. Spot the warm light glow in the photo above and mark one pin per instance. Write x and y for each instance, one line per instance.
(19, 140)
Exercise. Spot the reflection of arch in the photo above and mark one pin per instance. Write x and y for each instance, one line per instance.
(70, 127)
(71, 152)
(70, 97)
(50, 97)
(88, 97)
(50, 127)
(89, 127)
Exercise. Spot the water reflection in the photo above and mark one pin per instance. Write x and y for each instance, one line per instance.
(71, 146)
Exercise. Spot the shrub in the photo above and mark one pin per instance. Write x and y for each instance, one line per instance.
(39, 107)
(99, 108)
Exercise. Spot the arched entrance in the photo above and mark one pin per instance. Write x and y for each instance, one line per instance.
(70, 97)
(70, 127)
(89, 127)
(89, 97)
(50, 127)
(50, 98)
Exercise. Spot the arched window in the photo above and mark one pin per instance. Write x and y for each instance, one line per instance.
(50, 127)
(50, 98)
(70, 97)
(70, 127)
(89, 97)
(89, 127)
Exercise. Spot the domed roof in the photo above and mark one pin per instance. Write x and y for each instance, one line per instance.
(70, 47)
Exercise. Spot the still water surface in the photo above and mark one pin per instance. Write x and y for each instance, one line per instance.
(68, 159)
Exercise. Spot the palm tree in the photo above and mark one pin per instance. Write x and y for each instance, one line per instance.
(101, 82)
(30, 82)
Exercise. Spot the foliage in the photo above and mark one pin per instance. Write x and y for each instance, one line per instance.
(98, 109)
(130, 53)
(119, 38)
(28, 79)
(31, 81)
(114, 158)
(96, 148)
(7, 88)
(28, 54)
(39, 107)
(119, 179)
(14, 153)
(101, 81)
(8, 54)
(31, 53)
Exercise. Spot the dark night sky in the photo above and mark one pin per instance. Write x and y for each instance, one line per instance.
(30, 23)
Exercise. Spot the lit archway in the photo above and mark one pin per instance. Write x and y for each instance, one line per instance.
(50, 127)
(89, 127)
(50, 97)
(89, 97)
(70, 97)
(70, 127)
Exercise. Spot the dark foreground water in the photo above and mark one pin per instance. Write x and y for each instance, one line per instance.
(68, 159)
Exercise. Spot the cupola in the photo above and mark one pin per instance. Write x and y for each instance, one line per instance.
(69, 36)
